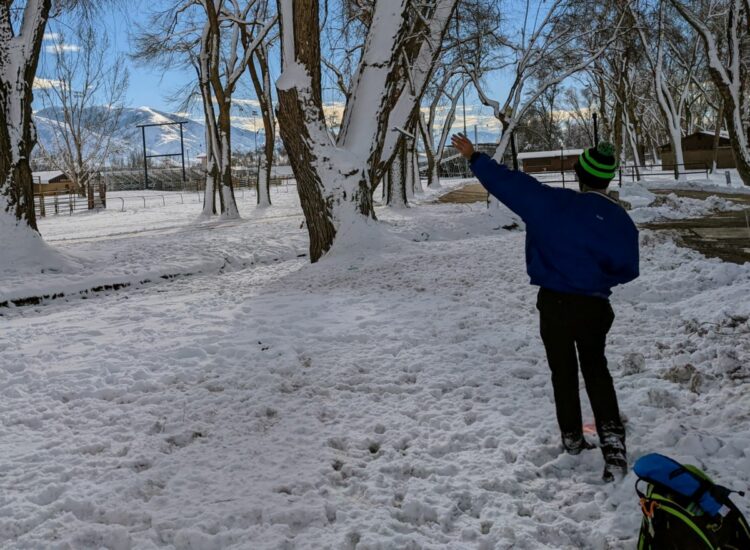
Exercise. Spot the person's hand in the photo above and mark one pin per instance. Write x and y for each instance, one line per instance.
(462, 145)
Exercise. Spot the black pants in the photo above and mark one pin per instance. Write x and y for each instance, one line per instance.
(569, 322)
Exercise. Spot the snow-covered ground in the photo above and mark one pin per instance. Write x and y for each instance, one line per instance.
(395, 396)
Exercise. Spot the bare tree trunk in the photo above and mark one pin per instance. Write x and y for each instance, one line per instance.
(409, 158)
(603, 117)
(212, 171)
(228, 201)
(629, 129)
(262, 85)
(617, 124)
(717, 137)
(416, 178)
(433, 177)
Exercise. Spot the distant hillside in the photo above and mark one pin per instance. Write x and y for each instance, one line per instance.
(166, 139)
(159, 140)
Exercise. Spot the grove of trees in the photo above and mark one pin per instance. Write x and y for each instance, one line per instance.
(396, 72)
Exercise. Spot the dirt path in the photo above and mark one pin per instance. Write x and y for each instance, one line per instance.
(724, 235)
(472, 192)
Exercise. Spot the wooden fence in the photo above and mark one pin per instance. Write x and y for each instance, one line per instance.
(64, 202)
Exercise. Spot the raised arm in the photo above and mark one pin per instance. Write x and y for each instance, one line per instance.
(518, 191)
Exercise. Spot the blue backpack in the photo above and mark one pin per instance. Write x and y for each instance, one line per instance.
(684, 510)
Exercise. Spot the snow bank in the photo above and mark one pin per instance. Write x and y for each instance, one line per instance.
(636, 195)
(674, 207)
(23, 253)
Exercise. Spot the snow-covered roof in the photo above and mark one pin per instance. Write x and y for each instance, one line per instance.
(545, 154)
(282, 170)
(711, 133)
(723, 134)
(44, 177)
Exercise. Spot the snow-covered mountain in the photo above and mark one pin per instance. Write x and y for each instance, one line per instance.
(159, 139)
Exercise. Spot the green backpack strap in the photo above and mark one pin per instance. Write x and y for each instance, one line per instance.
(651, 502)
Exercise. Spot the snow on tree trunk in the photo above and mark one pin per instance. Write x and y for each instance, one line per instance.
(332, 185)
(16, 141)
(212, 173)
(264, 175)
(19, 57)
(219, 69)
(21, 246)
(335, 180)
(426, 127)
(508, 126)
(671, 110)
(433, 176)
(397, 179)
(264, 183)
(262, 85)
(416, 178)
(675, 139)
(633, 142)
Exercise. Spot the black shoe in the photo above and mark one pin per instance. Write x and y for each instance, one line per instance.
(575, 443)
(615, 458)
(615, 469)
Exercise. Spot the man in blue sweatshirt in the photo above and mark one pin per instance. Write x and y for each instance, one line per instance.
(578, 246)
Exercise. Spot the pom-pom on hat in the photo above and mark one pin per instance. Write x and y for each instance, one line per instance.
(597, 166)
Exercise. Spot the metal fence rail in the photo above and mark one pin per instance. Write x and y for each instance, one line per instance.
(180, 197)
(170, 179)
(634, 171)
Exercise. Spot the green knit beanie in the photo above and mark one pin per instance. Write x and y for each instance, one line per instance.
(597, 166)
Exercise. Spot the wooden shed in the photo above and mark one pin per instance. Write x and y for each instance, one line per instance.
(51, 181)
(698, 151)
(561, 160)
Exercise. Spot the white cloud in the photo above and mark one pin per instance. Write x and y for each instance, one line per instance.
(61, 48)
(46, 83)
(51, 36)
(246, 104)
(247, 123)
(332, 111)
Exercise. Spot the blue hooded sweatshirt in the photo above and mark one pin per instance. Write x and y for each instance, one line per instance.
(577, 243)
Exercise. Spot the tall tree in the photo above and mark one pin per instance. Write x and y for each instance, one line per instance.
(672, 81)
(83, 97)
(726, 65)
(260, 75)
(208, 35)
(336, 176)
(20, 45)
(547, 50)
(219, 70)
